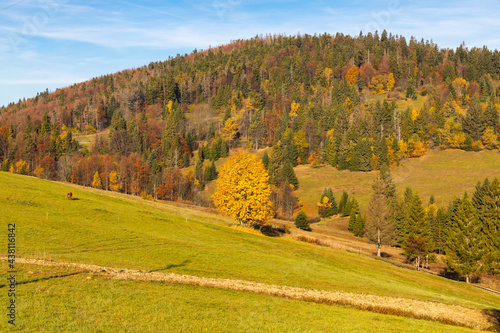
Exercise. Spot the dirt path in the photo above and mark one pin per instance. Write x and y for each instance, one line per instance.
(449, 314)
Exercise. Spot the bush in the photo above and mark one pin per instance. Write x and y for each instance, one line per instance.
(301, 221)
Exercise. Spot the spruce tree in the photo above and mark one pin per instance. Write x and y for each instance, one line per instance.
(265, 160)
(289, 175)
(327, 205)
(301, 221)
(491, 225)
(343, 202)
(359, 227)
(465, 247)
(418, 243)
(440, 231)
(352, 222)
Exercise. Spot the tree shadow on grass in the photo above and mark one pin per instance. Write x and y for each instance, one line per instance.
(493, 317)
(182, 264)
(270, 231)
(43, 279)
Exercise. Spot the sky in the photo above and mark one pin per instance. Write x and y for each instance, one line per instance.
(50, 44)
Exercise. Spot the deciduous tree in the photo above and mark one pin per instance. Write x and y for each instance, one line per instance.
(243, 189)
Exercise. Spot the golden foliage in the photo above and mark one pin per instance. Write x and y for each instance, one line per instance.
(38, 171)
(460, 86)
(243, 189)
(489, 138)
(169, 106)
(380, 84)
(352, 75)
(114, 178)
(229, 131)
(97, 180)
(294, 111)
(21, 167)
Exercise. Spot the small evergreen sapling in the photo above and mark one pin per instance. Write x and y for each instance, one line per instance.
(301, 221)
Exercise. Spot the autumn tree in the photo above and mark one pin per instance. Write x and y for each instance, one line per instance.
(96, 182)
(352, 75)
(114, 180)
(243, 190)
(379, 227)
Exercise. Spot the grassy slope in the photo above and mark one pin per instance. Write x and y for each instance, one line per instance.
(122, 231)
(444, 174)
(54, 300)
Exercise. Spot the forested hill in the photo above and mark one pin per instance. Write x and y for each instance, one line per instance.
(354, 102)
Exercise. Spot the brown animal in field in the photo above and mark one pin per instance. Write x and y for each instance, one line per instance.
(70, 196)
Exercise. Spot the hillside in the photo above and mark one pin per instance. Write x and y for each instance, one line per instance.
(124, 232)
(442, 174)
(357, 103)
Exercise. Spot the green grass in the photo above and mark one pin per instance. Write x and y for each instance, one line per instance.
(444, 174)
(116, 230)
(61, 300)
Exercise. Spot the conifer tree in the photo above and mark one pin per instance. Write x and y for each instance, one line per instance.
(343, 202)
(265, 160)
(491, 225)
(289, 176)
(465, 247)
(418, 243)
(440, 231)
(327, 207)
(301, 221)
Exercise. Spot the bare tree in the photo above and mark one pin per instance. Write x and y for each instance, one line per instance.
(379, 227)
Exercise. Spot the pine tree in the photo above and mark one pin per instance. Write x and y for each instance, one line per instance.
(465, 247)
(359, 227)
(213, 171)
(491, 225)
(289, 175)
(327, 206)
(301, 221)
(440, 231)
(418, 243)
(265, 160)
(352, 222)
(343, 202)
(473, 122)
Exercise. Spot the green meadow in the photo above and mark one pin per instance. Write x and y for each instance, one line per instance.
(446, 174)
(121, 231)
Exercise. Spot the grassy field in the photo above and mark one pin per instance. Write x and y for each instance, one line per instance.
(116, 230)
(62, 300)
(444, 174)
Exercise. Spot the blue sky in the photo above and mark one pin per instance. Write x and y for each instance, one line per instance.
(55, 43)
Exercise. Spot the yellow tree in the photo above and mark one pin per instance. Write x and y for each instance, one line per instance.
(390, 82)
(114, 178)
(460, 86)
(229, 131)
(243, 190)
(294, 109)
(352, 75)
(97, 180)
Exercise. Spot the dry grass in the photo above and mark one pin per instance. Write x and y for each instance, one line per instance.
(448, 314)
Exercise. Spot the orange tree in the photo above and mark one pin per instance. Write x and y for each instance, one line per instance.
(243, 190)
